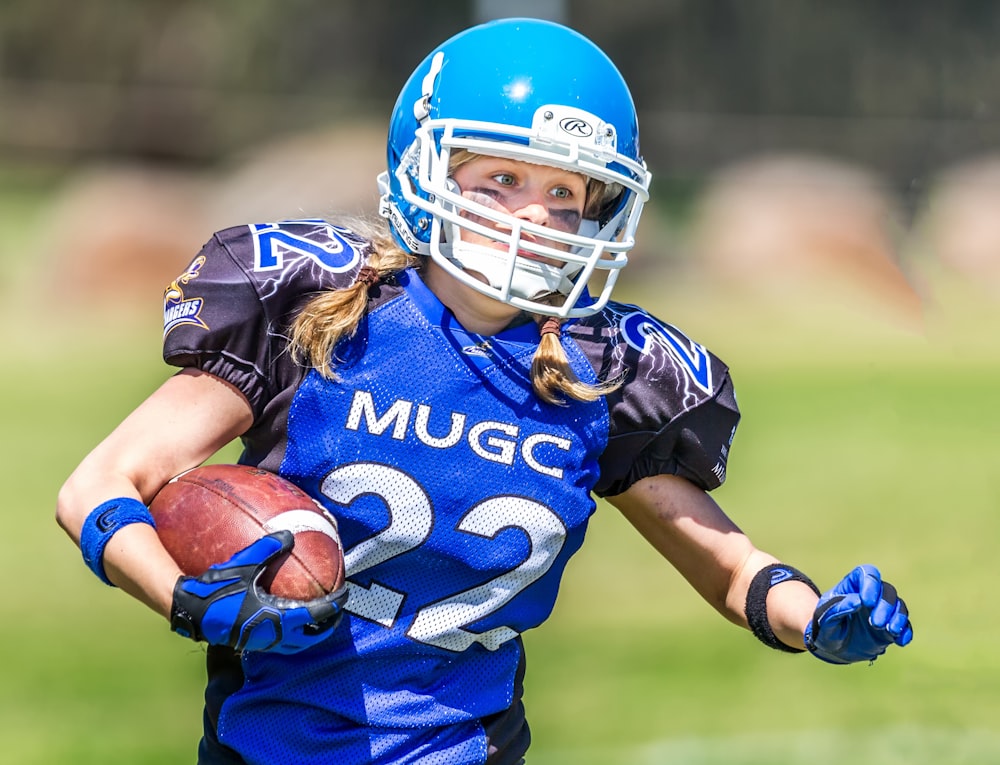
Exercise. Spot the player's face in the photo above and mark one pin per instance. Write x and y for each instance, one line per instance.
(546, 196)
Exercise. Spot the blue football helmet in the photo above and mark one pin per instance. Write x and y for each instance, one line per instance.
(533, 91)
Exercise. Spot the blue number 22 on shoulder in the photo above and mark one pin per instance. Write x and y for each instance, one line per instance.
(642, 332)
(314, 238)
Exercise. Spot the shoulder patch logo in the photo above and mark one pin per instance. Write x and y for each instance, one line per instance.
(643, 332)
(178, 310)
(312, 237)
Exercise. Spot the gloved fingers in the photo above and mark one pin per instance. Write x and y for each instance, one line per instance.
(325, 615)
(886, 608)
(304, 627)
(892, 615)
(898, 624)
(906, 635)
(263, 551)
(869, 585)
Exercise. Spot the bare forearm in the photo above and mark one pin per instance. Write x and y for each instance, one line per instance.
(136, 561)
(179, 426)
(686, 526)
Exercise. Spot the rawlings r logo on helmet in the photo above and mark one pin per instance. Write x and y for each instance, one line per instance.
(576, 126)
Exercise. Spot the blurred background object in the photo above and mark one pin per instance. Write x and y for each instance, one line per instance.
(962, 223)
(250, 101)
(781, 224)
(896, 86)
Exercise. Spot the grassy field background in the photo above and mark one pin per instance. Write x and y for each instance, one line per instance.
(861, 442)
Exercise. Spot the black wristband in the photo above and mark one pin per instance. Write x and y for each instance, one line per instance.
(756, 605)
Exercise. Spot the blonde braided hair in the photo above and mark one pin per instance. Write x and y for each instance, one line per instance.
(334, 315)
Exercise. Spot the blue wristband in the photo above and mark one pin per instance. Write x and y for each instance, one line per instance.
(104, 522)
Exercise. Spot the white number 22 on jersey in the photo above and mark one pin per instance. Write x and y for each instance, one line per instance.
(411, 517)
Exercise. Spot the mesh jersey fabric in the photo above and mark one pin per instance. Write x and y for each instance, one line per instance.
(460, 496)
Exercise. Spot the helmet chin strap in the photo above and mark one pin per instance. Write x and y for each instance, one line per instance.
(530, 280)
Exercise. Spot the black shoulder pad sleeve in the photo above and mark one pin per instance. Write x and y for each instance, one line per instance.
(675, 411)
(229, 312)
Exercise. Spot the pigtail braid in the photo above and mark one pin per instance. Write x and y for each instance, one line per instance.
(334, 315)
(552, 376)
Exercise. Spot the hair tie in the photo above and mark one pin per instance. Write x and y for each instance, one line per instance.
(551, 326)
(368, 276)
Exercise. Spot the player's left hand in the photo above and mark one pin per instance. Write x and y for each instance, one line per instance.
(858, 619)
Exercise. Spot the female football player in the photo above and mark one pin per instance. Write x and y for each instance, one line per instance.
(456, 389)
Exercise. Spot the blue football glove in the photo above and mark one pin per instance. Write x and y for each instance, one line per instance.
(227, 606)
(858, 619)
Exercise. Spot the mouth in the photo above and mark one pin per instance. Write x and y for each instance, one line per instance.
(531, 256)
(501, 246)
(536, 258)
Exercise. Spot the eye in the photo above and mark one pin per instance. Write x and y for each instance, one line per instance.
(504, 179)
(561, 192)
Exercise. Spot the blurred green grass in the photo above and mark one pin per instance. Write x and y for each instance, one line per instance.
(861, 442)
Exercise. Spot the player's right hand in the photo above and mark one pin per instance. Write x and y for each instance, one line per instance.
(227, 606)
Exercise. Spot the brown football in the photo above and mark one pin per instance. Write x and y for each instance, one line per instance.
(208, 514)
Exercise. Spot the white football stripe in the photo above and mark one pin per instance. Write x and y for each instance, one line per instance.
(302, 520)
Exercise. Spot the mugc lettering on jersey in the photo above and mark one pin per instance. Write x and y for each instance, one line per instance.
(499, 442)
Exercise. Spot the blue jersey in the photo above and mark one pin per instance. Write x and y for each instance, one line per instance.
(459, 494)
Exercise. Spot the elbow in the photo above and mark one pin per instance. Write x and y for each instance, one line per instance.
(65, 518)
(71, 511)
(86, 488)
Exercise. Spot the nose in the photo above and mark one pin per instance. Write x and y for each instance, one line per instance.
(533, 211)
